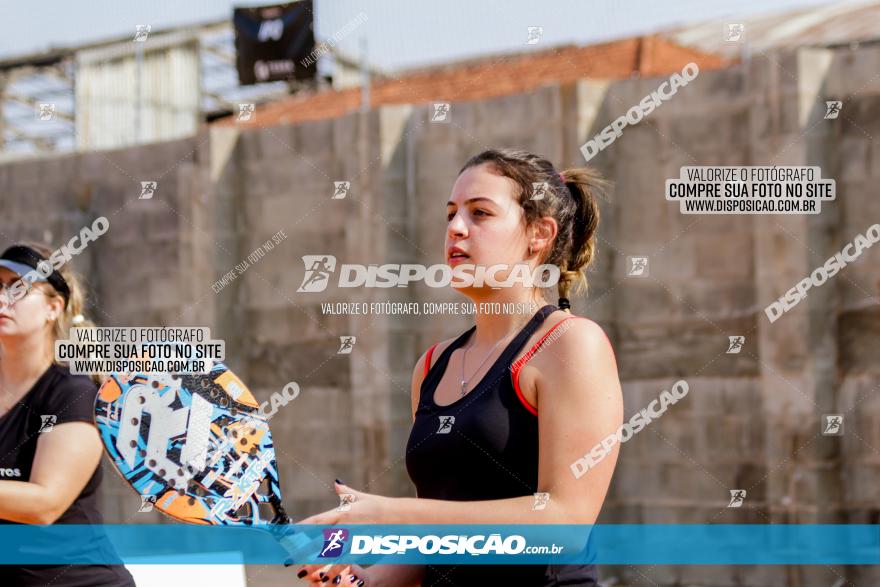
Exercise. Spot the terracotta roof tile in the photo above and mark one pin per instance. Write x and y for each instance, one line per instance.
(491, 77)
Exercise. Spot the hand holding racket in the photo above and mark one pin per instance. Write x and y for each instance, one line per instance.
(361, 508)
(197, 446)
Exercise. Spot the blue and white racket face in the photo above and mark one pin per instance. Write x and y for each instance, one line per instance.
(195, 445)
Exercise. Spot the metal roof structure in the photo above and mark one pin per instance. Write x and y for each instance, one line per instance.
(40, 99)
(836, 24)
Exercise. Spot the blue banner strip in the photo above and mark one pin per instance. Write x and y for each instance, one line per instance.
(692, 544)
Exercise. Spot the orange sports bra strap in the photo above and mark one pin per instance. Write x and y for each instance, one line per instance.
(428, 358)
(525, 358)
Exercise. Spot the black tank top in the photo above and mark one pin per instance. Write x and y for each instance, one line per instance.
(66, 398)
(483, 446)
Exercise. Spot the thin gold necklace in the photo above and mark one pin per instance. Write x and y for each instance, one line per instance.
(464, 382)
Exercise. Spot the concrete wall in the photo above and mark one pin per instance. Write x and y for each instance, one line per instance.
(751, 420)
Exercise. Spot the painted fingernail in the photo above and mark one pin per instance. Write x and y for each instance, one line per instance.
(340, 482)
(360, 583)
(324, 579)
(322, 576)
(352, 578)
(302, 573)
(338, 579)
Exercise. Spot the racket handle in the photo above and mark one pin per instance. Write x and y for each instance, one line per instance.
(296, 543)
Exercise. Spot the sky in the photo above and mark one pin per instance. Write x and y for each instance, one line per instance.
(398, 33)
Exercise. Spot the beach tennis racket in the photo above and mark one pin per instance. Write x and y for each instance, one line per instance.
(195, 445)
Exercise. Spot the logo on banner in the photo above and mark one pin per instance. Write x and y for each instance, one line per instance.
(334, 542)
(271, 30)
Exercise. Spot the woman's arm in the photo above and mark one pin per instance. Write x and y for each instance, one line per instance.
(64, 462)
(579, 403)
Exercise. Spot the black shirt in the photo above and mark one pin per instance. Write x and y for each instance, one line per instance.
(55, 398)
(488, 451)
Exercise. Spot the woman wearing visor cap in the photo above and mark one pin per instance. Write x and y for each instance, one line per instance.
(50, 450)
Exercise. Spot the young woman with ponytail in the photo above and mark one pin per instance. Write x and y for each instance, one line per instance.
(50, 450)
(530, 395)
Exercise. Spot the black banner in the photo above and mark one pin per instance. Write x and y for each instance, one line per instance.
(273, 43)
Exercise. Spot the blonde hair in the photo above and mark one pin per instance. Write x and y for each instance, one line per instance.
(74, 313)
(570, 199)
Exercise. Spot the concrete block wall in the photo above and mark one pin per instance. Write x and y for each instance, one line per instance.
(751, 419)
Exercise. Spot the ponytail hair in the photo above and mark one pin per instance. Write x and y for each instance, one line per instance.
(584, 184)
(569, 197)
